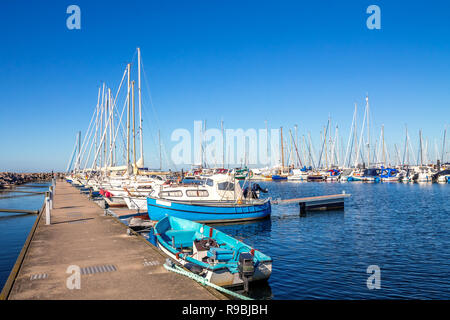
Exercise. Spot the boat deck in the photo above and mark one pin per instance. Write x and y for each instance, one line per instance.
(113, 265)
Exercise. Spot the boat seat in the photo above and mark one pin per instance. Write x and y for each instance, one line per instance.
(220, 253)
(181, 238)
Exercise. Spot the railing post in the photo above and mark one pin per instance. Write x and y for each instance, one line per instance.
(51, 197)
(47, 208)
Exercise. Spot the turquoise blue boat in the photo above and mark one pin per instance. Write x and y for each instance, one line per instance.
(209, 211)
(210, 253)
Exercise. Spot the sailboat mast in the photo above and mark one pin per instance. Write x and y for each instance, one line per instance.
(105, 143)
(141, 138)
(282, 149)
(267, 139)
(223, 144)
(356, 134)
(160, 157)
(128, 118)
(443, 146)
(110, 126)
(420, 145)
(134, 127)
(368, 132)
(296, 143)
(384, 155)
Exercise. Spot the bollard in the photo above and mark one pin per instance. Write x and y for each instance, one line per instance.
(47, 208)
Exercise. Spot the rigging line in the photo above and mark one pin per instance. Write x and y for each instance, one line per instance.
(81, 153)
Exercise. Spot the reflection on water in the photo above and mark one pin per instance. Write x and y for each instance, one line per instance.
(402, 228)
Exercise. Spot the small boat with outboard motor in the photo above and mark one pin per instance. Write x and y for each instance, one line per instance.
(210, 253)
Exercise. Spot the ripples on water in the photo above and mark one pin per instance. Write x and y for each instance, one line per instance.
(402, 228)
(14, 228)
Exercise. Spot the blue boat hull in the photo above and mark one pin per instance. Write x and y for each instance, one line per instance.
(207, 212)
(278, 177)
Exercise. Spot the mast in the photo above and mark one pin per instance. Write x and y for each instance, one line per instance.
(79, 147)
(368, 133)
(105, 106)
(267, 138)
(443, 146)
(420, 146)
(384, 155)
(326, 147)
(296, 143)
(141, 138)
(128, 119)
(282, 149)
(356, 134)
(160, 157)
(134, 128)
(299, 163)
(223, 144)
(111, 120)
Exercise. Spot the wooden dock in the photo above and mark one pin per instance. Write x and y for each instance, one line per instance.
(113, 265)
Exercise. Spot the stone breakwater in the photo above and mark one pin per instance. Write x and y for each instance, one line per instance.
(8, 179)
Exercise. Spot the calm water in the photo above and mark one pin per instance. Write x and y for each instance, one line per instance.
(402, 228)
(14, 228)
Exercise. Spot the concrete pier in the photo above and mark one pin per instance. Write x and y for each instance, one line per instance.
(113, 265)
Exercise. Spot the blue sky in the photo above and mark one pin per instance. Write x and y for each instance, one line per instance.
(244, 62)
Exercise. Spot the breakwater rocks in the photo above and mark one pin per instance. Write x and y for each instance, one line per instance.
(8, 179)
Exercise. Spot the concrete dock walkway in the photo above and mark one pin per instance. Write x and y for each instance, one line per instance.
(113, 264)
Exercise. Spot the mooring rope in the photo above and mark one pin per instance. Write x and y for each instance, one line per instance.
(204, 281)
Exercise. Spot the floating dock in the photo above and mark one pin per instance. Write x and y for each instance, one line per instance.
(328, 202)
(112, 264)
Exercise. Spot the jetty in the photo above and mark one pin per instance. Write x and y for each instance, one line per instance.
(327, 202)
(112, 262)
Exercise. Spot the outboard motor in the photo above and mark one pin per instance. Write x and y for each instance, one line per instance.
(246, 268)
(253, 192)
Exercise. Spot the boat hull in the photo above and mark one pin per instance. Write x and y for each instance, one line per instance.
(207, 212)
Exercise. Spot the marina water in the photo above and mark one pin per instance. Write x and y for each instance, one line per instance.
(402, 228)
(14, 228)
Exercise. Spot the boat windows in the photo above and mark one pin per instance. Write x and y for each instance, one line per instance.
(227, 186)
(176, 193)
(197, 193)
(210, 182)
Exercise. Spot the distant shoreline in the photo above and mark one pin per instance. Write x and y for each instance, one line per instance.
(10, 179)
